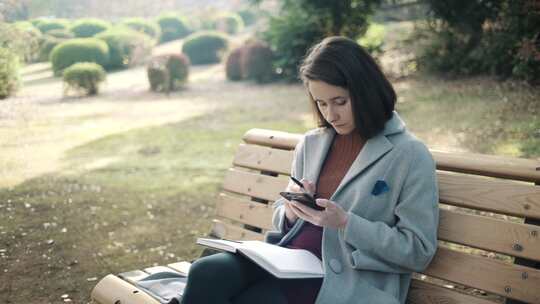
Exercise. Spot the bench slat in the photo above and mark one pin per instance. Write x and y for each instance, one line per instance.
(264, 158)
(490, 234)
(227, 231)
(133, 276)
(426, 293)
(494, 166)
(156, 269)
(272, 138)
(182, 267)
(471, 230)
(245, 211)
(253, 184)
(112, 290)
(485, 273)
(488, 165)
(499, 196)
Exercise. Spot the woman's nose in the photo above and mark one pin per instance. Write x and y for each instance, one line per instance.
(332, 115)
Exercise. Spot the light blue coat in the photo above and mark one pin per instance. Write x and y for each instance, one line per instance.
(392, 230)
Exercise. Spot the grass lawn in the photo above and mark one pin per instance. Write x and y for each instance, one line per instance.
(129, 179)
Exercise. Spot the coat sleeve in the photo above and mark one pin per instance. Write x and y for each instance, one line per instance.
(411, 243)
(297, 169)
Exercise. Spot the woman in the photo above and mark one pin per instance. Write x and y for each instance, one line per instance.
(376, 181)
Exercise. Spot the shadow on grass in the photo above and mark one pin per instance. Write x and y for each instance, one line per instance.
(42, 80)
(123, 202)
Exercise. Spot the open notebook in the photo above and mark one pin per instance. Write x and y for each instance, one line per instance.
(283, 263)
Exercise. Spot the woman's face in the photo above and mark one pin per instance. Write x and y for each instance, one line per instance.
(334, 103)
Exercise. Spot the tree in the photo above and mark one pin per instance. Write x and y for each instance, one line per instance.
(302, 23)
(500, 37)
(13, 10)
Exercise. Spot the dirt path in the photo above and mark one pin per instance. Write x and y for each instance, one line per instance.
(40, 124)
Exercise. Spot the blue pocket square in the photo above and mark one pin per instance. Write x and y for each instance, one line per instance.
(380, 188)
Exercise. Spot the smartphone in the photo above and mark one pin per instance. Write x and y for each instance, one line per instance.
(302, 198)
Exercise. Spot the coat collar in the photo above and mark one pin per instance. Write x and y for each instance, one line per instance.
(373, 149)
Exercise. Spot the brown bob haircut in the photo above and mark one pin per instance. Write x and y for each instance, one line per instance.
(341, 62)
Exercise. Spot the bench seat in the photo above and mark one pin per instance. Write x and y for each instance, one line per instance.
(489, 231)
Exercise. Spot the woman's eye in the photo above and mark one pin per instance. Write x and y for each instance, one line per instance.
(321, 104)
(341, 102)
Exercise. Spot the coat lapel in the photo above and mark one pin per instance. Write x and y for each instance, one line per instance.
(373, 149)
(316, 152)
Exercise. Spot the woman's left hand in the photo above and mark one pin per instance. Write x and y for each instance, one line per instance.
(333, 216)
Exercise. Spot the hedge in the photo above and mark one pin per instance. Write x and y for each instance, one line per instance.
(9, 72)
(85, 76)
(205, 47)
(127, 47)
(79, 50)
(85, 28)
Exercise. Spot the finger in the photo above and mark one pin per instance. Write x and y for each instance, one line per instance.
(322, 202)
(305, 209)
(299, 212)
(309, 185)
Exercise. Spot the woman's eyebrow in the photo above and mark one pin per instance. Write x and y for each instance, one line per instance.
(332, 99)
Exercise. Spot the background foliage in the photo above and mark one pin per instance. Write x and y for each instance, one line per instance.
(84, 76)
(498, 37)
(300, 24)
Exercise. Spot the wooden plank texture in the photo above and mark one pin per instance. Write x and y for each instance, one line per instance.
(272, 138)
(426, 293)
(133, 276)
(490, 234)
(253, 184)
(494, 166)
(264, 159)
(113, 290)
(488, 165)
(509, 280)
(228, 231)
(182, 267)
(499, 196)
(245, 211)
(156, 269)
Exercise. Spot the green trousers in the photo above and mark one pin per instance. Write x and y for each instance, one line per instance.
(226, 278)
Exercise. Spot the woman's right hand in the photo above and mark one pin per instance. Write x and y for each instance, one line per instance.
(292, 187)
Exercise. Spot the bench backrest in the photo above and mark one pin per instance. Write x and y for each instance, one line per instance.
(489, 212)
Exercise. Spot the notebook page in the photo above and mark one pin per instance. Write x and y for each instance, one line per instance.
(284, 259)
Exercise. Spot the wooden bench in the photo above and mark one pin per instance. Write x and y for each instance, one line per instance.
(489, 233)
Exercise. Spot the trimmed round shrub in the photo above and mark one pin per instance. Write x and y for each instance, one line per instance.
(84, 76)
(168, 72)
(173, 27)
(205, 47)
(256, 62)
(127, 47)
(61, 34)
(233, 69)
(229, 23)
(45, 25)
(89, 27)
(9, 72)
(79, 50)
(47, 45)
(144, 26)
